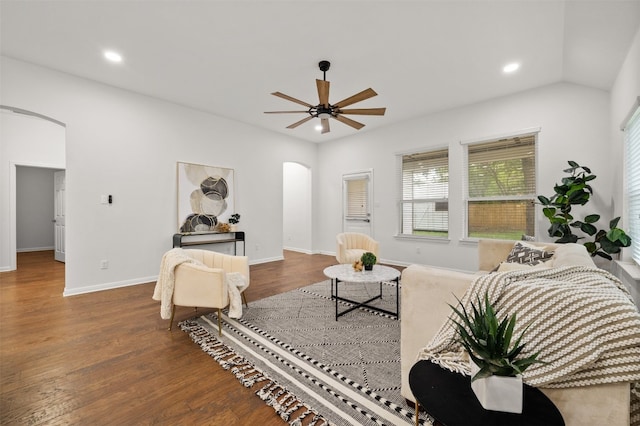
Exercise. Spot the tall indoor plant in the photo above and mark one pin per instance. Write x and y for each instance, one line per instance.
(576, 189)
(496, 370)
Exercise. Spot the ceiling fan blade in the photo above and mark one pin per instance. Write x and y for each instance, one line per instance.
(323, 92)
(297, 123)
(285, 112)
(349, 122)
(289, 98)
(325, 125)
(363, 111)
(365, 94)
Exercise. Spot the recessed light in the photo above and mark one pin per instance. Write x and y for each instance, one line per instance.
(113, 56)
(509, 68)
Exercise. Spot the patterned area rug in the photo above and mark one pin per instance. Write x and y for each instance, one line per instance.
(312, 369)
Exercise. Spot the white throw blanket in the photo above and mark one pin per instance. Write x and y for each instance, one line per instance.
(163, 291)
(581, 320)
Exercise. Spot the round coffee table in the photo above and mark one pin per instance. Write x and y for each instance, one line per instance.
(379, 274)
(449, 399)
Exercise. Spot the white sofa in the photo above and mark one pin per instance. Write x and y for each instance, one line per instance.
(425, 298)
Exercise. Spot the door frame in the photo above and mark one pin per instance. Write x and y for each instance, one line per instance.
(13, 244)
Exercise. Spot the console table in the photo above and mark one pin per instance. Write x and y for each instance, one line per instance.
(205, 238)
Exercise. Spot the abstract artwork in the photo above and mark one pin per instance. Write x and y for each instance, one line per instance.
(205, 197)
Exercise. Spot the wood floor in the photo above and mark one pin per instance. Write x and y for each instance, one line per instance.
(106, 358)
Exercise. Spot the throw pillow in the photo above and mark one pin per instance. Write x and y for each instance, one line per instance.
(528, 254)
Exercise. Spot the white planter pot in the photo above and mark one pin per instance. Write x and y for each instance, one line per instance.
(498, 393)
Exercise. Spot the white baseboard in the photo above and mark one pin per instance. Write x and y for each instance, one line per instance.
(27, 250)
(266, 260)
(298, 250)
(108, 286)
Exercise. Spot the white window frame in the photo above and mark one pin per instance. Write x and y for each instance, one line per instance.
(632, 178)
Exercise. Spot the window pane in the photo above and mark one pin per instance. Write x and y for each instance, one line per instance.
(425, 193)
(502, 168)
(504, 220)
(425, 218)
(501, 185)
(632, 136)
(357, 199)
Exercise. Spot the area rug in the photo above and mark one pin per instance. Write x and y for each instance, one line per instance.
(312, 369)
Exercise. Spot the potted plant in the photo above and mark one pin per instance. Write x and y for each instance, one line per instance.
(496, 372)
(576, 190)
(234, 219)
(368, 259)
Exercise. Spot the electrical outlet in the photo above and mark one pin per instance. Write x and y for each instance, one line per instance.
(257, 247)
(104, 264)
(417, 250)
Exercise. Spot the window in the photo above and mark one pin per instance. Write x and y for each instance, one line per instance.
(425, 194)
(501, 188)
(357, 189)
(632, 144)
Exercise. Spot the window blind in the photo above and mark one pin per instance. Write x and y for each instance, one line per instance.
(501, 188)
(632, 143)
(425, 193)
(357, 198)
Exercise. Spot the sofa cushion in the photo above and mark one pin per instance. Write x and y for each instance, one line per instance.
(528, 254)
(572, 254)
(511, 266)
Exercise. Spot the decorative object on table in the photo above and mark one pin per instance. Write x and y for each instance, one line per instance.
(223, 227)
(234, 220)
(205, 196)
(357, 266)
(496, 374)
(576, 190)
(368, 259)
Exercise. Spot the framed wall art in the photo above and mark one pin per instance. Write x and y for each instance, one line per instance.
(205, 197)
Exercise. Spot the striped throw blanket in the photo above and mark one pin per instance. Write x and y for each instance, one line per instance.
(581, 320)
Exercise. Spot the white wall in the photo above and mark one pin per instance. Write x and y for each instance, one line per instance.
(574, 122)
(127, 145)
(296, 214)
(34, 208)
(26, 141)
(624, 95)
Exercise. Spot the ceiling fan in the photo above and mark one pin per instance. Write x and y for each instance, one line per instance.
(324, 110)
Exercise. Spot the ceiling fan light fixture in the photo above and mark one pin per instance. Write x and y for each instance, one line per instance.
(324, 115)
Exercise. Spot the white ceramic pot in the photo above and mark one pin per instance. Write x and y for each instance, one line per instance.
(498, 393)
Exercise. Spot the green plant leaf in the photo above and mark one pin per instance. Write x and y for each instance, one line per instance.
(549, 212)
(544, 200)
(614, 222)
(573, 164)
(588, 229)
(592, 218)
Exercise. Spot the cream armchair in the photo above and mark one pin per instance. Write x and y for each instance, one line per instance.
(204, 284)
(351, 246)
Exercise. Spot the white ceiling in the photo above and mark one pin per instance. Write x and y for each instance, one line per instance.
(226, 57)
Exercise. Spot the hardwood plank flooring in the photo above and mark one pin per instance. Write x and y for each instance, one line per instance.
(107, 358)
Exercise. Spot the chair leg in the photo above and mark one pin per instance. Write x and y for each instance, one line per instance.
(220, 322)
(173, 313)
(244, 299)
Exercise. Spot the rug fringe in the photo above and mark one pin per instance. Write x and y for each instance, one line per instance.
(249, 375)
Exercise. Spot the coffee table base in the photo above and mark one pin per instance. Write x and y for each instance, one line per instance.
(358, 304)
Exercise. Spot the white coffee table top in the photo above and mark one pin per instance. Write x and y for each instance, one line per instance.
(346, 272)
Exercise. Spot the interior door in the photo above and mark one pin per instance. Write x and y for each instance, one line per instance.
(59, 215)
(357, 190)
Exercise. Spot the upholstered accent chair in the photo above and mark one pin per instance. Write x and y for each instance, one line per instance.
(204, 284)
(351, 246)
